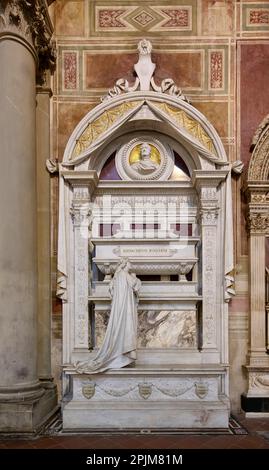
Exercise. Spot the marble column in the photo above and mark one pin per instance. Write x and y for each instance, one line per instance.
(83, 187)
(207, 184)
(24, 403)
(257, 398)
(43, 96)
(257, 296)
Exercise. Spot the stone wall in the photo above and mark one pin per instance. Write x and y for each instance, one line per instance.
(217, 51)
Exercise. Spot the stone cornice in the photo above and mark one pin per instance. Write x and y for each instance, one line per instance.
(28, 22)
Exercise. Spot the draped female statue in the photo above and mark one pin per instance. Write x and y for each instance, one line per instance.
(119, 345)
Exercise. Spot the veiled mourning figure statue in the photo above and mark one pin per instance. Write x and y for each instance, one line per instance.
(119, 346)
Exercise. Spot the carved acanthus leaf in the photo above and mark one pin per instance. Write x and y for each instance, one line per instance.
(258, 223)
(30, 19)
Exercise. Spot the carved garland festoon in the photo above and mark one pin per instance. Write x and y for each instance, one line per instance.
(29, 20)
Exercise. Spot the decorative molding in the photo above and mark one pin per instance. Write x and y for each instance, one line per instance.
(147, 18)
(209, 239)
(30, 21)
(258, 223)
(161, 172)
(190, 387)
(144, 267)
(259, 197)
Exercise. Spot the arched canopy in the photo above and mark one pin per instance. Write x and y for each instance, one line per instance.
(148, 111)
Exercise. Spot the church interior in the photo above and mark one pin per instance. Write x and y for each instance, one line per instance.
(134, 254)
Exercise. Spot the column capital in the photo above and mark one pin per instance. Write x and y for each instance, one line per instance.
(258, 223)
(28, 22)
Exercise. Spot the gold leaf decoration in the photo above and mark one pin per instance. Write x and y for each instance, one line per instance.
(100, 125)
(191, 125)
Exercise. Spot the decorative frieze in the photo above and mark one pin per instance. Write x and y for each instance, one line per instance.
(134, 18)
(133, 390)
(259, 197)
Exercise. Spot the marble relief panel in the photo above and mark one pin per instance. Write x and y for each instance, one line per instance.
(100, 326)
(157, 329)
(167, 329)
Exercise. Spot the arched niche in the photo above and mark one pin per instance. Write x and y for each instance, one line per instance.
(199, 368)
(257, 193)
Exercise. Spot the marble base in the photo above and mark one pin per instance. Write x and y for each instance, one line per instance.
(24, 415)
(137, 398)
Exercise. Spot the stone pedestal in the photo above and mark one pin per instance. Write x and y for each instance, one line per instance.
(147, 398)
(24, 403)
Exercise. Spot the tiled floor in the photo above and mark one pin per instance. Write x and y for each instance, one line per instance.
(257, 438)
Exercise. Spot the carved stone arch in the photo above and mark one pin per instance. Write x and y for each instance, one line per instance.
(180, 120)
(259, 162)
(257, 192)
